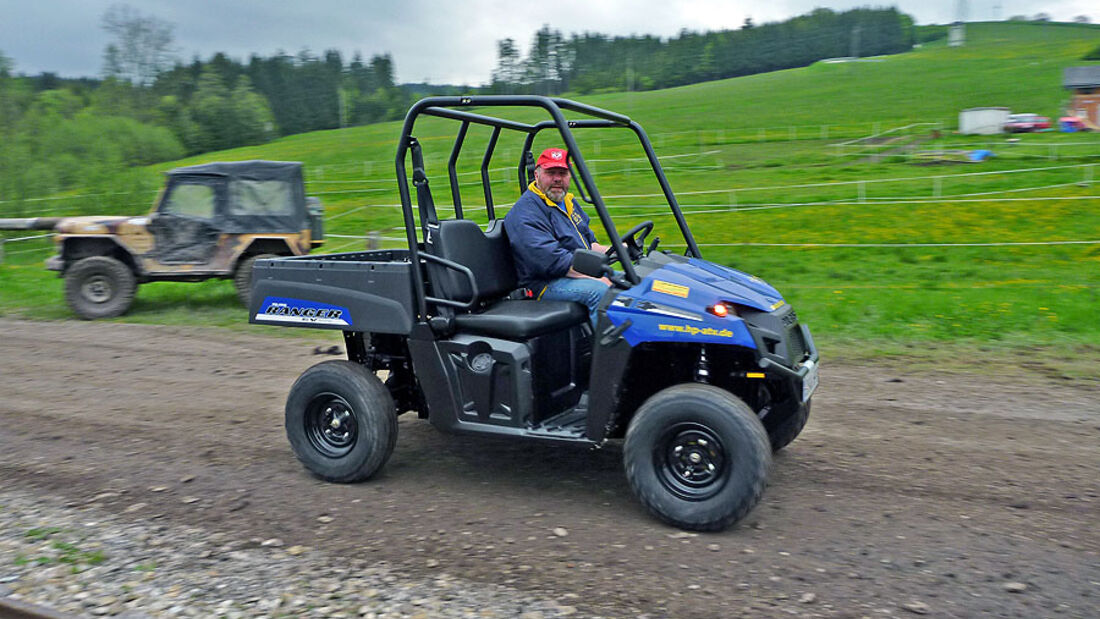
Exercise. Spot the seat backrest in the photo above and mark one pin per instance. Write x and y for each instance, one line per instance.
(487, 254)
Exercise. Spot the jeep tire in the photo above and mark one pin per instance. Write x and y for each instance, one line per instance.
(242, 278)
(99, 287)
(697, 457)
(340, 421)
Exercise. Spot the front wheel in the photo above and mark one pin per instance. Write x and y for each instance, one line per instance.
(99, 287)
(340, 421)
(697, 457)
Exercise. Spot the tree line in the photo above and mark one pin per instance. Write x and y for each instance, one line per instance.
(58, 133)
(591, 62)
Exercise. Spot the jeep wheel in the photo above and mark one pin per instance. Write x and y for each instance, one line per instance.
(99, 287)
(242, 279)
(697, 457)
(340, 421)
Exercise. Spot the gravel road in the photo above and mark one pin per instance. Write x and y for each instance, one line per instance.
(144, 472)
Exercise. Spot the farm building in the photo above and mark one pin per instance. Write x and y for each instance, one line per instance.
(1085, 84)
(983, 120)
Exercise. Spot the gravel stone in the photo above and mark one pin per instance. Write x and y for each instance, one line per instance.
(89, 563)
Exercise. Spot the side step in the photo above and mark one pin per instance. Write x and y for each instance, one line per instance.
(572, 424)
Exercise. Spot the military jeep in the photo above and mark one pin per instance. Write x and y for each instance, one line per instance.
(211, 221)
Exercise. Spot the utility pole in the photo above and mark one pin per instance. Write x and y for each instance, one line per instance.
(853, 50)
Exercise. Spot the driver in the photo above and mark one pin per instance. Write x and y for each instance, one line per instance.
(544, 228)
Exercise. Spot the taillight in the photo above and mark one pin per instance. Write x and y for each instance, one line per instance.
(720, 310)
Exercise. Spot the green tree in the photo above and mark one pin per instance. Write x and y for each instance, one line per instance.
(212, 111)
(507, 74)
(255, 124)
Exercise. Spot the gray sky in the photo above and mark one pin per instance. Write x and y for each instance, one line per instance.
(450, 41)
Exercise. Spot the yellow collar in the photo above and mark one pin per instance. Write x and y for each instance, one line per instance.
(549, 202)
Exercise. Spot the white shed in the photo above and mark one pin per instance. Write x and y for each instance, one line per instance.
(983, 120)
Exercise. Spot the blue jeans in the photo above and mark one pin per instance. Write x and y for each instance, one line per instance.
(579, 289)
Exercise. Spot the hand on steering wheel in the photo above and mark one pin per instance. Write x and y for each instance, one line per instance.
(633, 240)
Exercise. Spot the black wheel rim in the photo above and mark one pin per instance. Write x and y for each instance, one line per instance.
(691, 462)
(97, 289)
(330, 425)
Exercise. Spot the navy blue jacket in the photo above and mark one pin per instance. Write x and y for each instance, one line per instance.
(544, 236)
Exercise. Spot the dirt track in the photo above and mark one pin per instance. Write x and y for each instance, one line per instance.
(946, 494)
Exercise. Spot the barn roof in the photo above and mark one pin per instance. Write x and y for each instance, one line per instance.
(1081, 77)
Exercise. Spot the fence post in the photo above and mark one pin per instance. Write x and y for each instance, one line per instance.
(937, 186)
(1054, 152)
(875, 128)
(373, 240)
(824, 132)
(1086, 182)
(733, 198)
(366, 169)
(862, 186)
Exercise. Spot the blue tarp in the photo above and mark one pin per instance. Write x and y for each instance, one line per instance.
(979, 155)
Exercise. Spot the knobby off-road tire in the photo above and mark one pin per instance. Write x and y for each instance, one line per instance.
(242, 279)
(99, 287)
(783, 434)
(340, 421)
(697, 457)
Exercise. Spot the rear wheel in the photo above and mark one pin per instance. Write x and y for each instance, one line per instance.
(242, 279)
(697, 457)
(99, 287)
(340, 421)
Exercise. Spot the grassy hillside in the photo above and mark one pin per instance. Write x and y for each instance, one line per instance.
(754, 160)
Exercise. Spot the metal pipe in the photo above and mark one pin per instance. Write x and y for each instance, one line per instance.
(455, 194)
(485, 183)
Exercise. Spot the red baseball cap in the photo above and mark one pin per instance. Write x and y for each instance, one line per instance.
(553, 158)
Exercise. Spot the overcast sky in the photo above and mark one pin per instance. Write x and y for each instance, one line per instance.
(451, 41)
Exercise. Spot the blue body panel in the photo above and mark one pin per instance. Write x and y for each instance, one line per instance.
(669, 305)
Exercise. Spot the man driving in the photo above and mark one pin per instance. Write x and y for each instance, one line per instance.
(544, 228)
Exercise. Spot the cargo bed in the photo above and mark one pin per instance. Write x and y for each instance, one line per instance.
(330, 292)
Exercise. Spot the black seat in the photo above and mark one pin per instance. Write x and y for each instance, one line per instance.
(488, 255)
(521, 320)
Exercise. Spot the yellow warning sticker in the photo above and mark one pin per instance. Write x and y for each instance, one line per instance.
(675, 290)
(778, 304)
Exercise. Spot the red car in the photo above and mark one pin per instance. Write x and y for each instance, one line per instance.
(1026, 123)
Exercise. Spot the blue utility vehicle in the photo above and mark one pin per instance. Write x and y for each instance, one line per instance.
(698, 370)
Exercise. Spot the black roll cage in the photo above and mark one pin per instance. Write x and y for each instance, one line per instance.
(442, 107)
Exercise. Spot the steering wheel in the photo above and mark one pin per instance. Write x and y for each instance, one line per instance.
(633, 240)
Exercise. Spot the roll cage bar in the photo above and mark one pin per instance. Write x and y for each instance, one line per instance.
(444, 107)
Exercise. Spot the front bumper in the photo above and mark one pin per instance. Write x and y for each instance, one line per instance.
(805, 373)
(55, 263)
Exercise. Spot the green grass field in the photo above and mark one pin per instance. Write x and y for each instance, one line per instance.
(908, 253)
